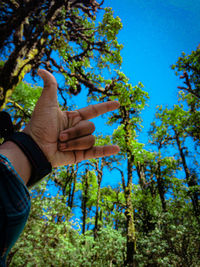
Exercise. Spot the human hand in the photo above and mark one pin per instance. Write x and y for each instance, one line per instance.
(65, 137)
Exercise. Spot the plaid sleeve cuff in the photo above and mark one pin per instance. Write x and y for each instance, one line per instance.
(14, 207)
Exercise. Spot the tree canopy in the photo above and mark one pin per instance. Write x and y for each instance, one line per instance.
(152, 217)
(33, 32)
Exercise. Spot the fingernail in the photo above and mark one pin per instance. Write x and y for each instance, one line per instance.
(117, 104)
(64, 137)
(61, 146)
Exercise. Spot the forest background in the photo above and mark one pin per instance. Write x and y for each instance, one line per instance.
(151, 216)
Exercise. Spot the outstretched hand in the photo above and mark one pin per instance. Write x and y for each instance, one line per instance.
(65, 137)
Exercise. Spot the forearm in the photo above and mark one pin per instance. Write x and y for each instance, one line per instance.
(14, 198)
(18, 159)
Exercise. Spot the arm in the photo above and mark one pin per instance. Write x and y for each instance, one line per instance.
(18, 159)
(14, 196)
(63, 137)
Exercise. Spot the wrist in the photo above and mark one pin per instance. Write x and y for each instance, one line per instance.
(27, 131)
(40, 164)
(18, 159)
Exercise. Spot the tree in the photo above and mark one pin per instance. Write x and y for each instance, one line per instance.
(132, 101)
(154, 222)
(188, 67)
(168, 130)
(32, 32)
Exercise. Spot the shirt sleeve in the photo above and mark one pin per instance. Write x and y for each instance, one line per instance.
(14, 207)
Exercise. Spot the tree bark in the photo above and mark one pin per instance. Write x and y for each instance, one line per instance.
(72, 186)
(130, 225)
(141, 175)
(161, 189)
(189, 178)
(96, 227)
(28, 49)
(16, 20)
(84, 201)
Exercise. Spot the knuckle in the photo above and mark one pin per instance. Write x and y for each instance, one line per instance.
(92, 140)
(91, 126)
(70, 144)
(79, 155)
(94, 110)
(53, 83)
(74, 132)
(77, 132)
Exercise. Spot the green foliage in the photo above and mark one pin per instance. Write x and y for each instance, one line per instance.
(22, 102)
(26, 96)
(191, 65)
(158, 208)
(173, 242)
(50, 240)
(189, 68)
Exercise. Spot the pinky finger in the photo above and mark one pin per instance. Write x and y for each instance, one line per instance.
(97, 152)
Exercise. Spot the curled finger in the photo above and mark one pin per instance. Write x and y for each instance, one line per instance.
(81, 143)
(83, 128)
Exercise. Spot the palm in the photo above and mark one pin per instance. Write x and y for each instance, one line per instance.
(48, 123)
(44, 127)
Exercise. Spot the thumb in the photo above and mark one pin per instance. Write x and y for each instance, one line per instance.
(50, 84)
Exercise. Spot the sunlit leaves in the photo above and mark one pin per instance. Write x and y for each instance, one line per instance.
(110, 26)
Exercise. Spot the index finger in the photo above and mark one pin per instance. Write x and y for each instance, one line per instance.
(93, 111)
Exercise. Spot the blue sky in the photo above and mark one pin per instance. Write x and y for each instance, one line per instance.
(154, 35)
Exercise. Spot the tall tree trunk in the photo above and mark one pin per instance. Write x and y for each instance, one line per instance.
(11, 73)
(84, 201)
(116, 221)
(99, 177)
(141, 175)
(147, 217)
(161, 189)
(189, 178)
(22, 12)
(130, 225)
(73, 192)
(73, 186)
(21, 60)
(183, 159)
